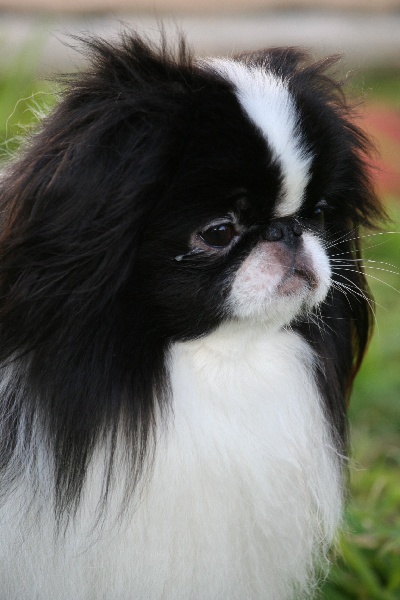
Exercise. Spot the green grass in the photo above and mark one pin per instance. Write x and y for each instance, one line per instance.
(22, 98)
(379, 85)
(367, 562)
(367, 565)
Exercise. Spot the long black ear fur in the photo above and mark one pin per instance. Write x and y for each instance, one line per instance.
(73, 208)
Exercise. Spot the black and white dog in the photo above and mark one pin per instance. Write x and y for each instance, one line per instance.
(177, 344)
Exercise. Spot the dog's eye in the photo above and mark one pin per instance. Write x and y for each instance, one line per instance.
(320, 211)
(218, 236)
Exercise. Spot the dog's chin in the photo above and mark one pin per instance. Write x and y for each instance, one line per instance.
(293, 300)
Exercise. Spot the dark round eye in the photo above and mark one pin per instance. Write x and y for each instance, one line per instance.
(320, 211)
(218, 236)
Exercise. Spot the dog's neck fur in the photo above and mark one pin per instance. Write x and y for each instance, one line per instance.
(244, 490)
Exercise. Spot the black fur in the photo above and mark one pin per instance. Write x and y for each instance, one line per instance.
(145, 147)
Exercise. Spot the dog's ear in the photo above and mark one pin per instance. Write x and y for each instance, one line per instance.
(74, 206)
(76, 201)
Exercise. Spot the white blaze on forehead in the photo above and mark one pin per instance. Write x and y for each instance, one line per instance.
(268, 103)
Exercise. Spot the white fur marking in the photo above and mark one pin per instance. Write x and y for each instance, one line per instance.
(268, 103)
(245, 490)
(256, 291)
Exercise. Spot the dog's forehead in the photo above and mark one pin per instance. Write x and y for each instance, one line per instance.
(268, 103)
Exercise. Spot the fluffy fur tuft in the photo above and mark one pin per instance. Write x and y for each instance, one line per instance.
(179, 405)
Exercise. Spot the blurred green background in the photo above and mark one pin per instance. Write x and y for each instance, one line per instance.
(367, 559)
(367, 563)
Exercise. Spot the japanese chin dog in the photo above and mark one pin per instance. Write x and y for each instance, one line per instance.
(182, 311)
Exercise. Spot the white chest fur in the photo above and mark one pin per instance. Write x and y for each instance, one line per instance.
(245, 490)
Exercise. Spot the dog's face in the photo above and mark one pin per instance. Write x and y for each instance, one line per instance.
(196, 192)
(260, 191)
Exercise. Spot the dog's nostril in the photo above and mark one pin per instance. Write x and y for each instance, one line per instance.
(296, 228)
(274, 232)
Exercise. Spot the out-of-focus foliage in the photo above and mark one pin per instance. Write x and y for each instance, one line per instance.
(23, 99)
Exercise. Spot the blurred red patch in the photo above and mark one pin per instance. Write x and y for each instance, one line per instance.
(382, 123)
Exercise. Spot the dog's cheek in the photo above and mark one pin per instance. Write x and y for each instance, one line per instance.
(320, 265)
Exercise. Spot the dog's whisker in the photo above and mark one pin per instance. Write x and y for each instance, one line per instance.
(372, 277)
(340, 239)
(364, 236)
(346, 263)
(364, 260)
(359, 296)
(355, 290)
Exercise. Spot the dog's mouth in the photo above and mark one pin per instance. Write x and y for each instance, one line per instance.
(297, 278)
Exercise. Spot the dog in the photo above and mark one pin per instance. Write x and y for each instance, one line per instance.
(179, 331)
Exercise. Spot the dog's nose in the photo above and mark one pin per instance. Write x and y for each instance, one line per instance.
(286, 230)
